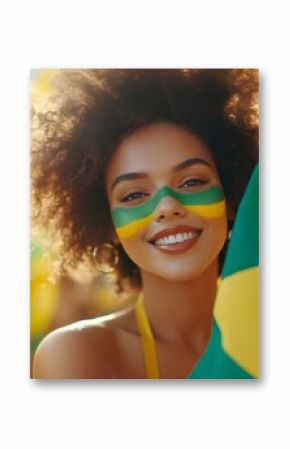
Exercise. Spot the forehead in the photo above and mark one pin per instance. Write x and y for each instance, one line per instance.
(156, 147)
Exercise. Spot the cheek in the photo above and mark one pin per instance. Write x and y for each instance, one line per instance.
(217, 232)
(135, 248)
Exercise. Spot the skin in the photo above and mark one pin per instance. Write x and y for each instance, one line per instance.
(179, 289)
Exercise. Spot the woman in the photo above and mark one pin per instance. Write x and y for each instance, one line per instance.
(149, 167)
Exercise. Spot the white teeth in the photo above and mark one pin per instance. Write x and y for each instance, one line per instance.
(171, 239)
(177, 238)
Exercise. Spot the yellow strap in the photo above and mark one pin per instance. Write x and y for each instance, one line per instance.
(147, 339)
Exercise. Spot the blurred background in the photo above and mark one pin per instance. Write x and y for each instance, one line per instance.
(56, 300)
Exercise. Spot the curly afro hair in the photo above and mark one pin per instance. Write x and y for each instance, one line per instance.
(91, 110)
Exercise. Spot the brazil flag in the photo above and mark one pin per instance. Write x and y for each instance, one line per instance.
(233, 348)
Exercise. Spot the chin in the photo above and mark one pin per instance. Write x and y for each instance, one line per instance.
(177, 273)
(185, 268)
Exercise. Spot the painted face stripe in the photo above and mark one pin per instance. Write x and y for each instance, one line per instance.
(212, 211)
(123, 216)
(134, 227)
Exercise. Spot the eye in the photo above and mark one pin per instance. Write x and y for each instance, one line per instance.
(192, 182)
(133, 196)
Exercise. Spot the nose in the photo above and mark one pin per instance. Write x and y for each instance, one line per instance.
(169, 208)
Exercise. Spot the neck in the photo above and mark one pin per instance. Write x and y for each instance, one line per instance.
(181, 312)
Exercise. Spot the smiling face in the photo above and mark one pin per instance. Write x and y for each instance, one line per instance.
(167, 201)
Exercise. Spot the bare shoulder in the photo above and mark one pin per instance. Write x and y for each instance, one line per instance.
(82, 350)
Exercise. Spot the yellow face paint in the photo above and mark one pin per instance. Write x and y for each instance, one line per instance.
(209, 203)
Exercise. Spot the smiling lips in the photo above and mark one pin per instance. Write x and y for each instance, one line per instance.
(176, 240)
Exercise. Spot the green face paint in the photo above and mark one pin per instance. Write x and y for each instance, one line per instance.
(207, 203)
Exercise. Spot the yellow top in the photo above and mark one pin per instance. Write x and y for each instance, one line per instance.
(148, 344)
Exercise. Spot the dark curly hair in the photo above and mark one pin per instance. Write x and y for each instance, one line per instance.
(91, 110)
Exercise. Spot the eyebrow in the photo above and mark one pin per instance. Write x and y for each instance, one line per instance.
(190, 162)
(142, 175)
(128, 177)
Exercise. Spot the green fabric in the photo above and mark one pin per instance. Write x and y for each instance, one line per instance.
(242, 253)
(243, 249)
(125, 215)
(215, 363)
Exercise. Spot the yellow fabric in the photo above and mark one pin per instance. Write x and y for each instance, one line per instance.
(150, 355)
(240, 342)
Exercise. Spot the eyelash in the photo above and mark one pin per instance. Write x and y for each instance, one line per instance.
(197, 182)
(132, 196)
(138, 195)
